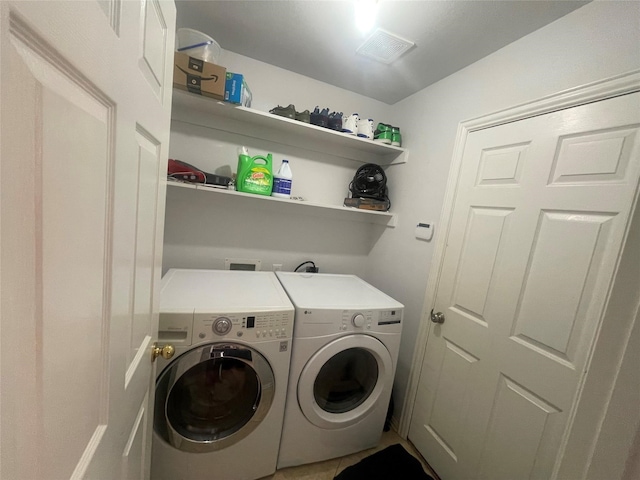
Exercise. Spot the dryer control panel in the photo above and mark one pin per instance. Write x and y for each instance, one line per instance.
(256, 326)
(358, 319)
(354, 320)
(318, 322)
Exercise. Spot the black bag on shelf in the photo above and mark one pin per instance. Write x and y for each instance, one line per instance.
(370, 182)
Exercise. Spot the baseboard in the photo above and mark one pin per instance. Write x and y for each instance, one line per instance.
(395, 425)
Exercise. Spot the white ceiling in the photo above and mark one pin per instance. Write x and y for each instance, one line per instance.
(319, 39)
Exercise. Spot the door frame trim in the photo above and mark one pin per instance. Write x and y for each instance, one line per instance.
(593, 92)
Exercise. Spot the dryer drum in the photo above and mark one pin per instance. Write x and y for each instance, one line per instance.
(346, 380)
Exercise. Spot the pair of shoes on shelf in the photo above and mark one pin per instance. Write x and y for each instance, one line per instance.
(303, 116)
(350, 124)
(288, 112)
(320, 118)
(396, 137)
(365, 128)
(335, 121)
(388, 134)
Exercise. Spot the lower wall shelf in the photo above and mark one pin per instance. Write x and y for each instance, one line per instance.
(295, 206)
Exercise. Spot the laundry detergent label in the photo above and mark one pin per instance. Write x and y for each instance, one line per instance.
(282, 185)
(258, 176)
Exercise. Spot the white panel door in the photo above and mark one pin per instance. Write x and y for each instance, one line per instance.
(85, 105)
(541, 210)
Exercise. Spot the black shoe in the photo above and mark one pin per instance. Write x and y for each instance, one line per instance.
(320, 118)
(335, 121)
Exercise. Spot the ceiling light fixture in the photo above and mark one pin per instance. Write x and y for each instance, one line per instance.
(365, 12)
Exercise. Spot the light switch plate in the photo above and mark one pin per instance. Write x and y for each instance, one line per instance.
(424, 231)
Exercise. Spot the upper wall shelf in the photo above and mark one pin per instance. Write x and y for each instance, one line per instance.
(208, 112)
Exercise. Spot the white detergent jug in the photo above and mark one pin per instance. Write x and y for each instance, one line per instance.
(282, 181)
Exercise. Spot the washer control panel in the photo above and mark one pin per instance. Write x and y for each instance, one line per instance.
(222, 325)
(248, 326)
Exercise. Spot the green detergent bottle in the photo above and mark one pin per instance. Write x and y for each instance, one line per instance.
(255, 174)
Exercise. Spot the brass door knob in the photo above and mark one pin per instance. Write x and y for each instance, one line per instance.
(166, 351)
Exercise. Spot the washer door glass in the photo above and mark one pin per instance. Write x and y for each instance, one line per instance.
(346, 380)
(212, 397)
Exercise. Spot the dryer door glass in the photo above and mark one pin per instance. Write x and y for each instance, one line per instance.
(346, 380)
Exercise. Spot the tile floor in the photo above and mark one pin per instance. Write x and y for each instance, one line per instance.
(330, 468)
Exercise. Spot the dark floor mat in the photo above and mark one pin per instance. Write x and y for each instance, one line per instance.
(393, 462)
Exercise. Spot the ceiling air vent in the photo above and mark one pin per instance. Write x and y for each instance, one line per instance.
(384, 47)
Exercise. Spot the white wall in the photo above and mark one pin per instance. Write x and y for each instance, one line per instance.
(273, 86)
(597, 41)
(202, 229)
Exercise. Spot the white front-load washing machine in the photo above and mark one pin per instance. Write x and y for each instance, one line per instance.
(345, 348)
(220, 400)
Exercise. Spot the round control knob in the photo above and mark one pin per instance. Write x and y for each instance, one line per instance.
(357, 320)
(222, 326)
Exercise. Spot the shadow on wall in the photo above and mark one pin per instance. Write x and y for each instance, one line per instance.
(192, 141)
(202, 219)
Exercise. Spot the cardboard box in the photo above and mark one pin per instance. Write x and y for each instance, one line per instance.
(236, 90)
(198, 76)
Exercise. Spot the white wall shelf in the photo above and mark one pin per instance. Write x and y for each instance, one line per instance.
(284, 206)
(208, 112)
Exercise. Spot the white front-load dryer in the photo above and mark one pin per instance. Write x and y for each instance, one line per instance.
(345, 348)
(220, 400)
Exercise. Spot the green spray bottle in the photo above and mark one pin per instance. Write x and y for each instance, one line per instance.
(255, 174)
